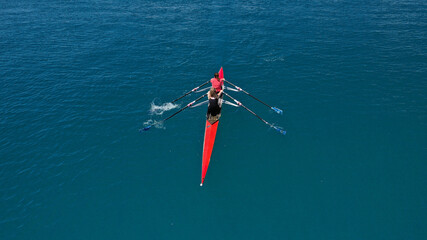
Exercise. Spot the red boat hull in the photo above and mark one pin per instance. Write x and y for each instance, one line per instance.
(210, 133)
(221, 73)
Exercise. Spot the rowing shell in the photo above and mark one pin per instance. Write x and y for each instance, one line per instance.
(210, 133)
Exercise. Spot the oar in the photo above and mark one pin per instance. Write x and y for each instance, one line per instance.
(277, 110)
(180, 110)
(269, 124)
(193, 90)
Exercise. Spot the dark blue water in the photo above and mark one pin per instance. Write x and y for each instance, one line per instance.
(77, 80)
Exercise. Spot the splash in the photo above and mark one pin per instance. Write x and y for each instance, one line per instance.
(160, 109)
(154, 123)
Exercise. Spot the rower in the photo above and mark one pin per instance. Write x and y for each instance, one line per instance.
(217, 83)
(214, 107)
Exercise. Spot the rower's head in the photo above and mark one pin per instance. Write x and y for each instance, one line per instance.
(216, 75)
(212, 92)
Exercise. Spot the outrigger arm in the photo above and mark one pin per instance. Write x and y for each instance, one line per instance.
(193, 90)
(207, 101)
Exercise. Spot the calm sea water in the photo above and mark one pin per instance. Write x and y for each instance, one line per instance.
(77, 80)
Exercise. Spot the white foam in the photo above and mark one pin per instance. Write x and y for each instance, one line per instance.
(160, 109)
(154, 123)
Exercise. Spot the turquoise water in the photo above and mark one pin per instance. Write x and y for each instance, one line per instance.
(78, 79)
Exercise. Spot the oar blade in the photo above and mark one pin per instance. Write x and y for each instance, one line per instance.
(277, 110)
(145, 128)
(281, 131)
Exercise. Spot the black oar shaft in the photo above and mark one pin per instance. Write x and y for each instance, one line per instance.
(238, 88)
(240, 104)
(256, 115)
(193, 90)
(188, 105)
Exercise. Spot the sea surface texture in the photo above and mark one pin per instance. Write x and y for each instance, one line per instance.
(78, 79)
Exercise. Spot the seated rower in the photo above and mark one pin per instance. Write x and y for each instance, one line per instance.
(214, 107)
(217, 83)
